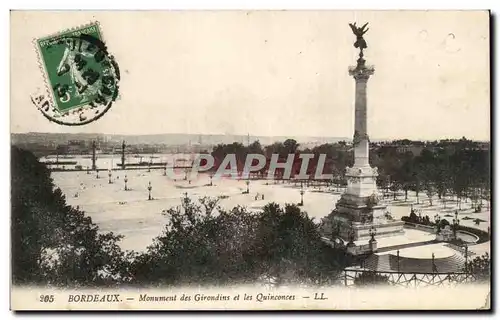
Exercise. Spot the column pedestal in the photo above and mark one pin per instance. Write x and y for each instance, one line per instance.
(359, 208)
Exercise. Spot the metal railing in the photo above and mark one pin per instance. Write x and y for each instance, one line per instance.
(355, 277)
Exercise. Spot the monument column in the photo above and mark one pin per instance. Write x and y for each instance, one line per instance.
(359, 212)
(361, 74)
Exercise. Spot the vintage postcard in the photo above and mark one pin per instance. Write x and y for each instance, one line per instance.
(250, 160)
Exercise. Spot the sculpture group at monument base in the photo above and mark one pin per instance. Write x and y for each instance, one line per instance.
(363, 231)
(354, 219)
(353, 231)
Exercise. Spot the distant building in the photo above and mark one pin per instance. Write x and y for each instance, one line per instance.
(75, 147)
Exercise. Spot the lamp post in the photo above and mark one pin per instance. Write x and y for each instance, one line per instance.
(125, 180)
(248, 185)
(466, 247)
(165, 170)
(109, 176)
(398, 258)
(434, 268)
(456, 222)
(301, 193)
(97, 173)
(211, 176)
(149, 190)
(372, 242)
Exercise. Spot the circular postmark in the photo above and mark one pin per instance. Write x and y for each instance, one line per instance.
(82, 78)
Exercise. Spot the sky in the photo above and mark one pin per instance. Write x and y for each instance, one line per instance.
(274, 73)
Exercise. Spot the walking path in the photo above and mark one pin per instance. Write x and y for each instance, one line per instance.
(406, 245)
(391, 263)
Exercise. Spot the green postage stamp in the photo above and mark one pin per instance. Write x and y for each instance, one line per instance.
(81, 77)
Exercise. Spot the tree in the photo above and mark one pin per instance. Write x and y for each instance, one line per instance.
(429, 191)
(290, 146)
(480, 267)
(405, 174)
(370, 278)
(204, 244)
(417, 185)
(475, 196)
(395, 186)
(443, 223)
(53, 243)
(337, 177)
(255, 147)
(383, 183)
(222, 150)
(290, 247)
(442, 193)
(427, 173)
(459, 176)
(487, 193)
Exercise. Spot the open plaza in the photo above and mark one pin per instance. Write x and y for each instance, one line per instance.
(400, 233)
(131, 213)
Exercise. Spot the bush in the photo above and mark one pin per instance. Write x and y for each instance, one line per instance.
(53, 243)
(443, 223)
(370, 278)
(480, 267)
(413, 218)
(207, 245)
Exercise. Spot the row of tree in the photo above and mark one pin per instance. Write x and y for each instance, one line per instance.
(56, 244)
(337, 156)
(449, 168)
(462, 172)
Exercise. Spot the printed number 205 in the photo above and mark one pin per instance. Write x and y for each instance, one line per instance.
(47, 298)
